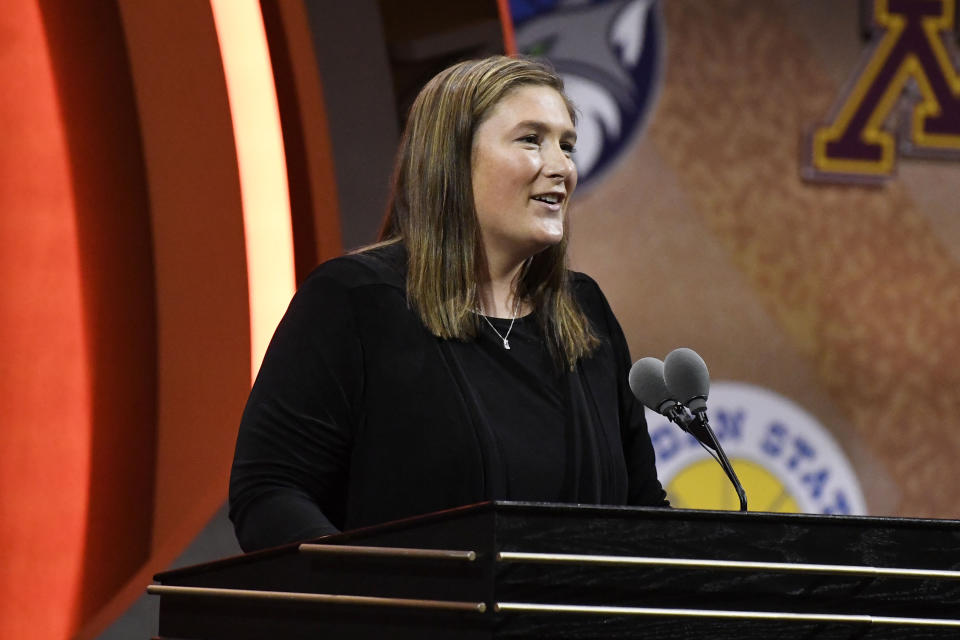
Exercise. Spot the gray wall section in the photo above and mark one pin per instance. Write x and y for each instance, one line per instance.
(140, 621)
(355, 71)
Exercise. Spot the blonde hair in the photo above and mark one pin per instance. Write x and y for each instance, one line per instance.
(431, 209)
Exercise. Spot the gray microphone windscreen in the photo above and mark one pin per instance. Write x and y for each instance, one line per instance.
(686, 377)
(646, 382)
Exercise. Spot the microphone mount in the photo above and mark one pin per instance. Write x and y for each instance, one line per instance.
(703, 423)
(697, 424)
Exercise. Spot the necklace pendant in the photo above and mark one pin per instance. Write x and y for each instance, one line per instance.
(506, 343)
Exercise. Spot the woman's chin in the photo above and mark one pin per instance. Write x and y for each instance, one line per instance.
(543, 244)
(551, 234)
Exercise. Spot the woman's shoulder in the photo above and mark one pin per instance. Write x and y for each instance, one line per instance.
(594, 304)
(379, 265)
(582, 280)
(586, 291)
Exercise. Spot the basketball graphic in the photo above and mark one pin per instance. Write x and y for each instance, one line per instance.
(786, 460)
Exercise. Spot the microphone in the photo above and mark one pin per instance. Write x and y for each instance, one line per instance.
(648, 382)
(686, 375)
(682, 375)
(649, 386)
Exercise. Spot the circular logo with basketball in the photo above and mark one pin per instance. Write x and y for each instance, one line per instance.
(786, 461)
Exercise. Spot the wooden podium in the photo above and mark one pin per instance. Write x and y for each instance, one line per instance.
(530, 570)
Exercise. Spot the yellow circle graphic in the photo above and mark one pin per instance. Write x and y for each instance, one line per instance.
(703, 485)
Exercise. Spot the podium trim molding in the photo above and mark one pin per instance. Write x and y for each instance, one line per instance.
(315, 598)
(735, 565)
(529, 607)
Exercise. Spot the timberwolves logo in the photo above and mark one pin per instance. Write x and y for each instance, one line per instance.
(786, 461)
(609, 53)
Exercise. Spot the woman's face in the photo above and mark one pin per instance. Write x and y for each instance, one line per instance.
(523, 175)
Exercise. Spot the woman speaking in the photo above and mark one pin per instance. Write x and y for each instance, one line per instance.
(457, 360)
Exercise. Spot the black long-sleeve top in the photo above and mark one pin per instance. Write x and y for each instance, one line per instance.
(359, 415)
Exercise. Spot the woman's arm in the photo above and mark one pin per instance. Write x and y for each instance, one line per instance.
(644, 486)
(290, 468)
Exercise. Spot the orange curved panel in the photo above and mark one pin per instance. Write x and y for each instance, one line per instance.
(44, 384)
(202, 338)
(111, 209)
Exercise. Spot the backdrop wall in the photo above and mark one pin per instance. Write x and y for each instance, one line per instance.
(132, 318)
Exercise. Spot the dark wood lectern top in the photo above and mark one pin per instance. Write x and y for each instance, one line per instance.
(533, 570)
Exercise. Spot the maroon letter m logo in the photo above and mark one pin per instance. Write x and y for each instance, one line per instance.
(910, 64)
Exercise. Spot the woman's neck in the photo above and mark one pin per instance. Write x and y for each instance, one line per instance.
(498, 294)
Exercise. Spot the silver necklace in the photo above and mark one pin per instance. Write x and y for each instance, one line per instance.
(503, 336)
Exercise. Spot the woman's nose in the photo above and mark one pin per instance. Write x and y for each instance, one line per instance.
(558, 163)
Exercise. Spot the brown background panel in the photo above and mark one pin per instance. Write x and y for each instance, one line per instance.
(843, 298)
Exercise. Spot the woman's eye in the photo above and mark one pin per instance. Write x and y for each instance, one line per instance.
(531, 139)
(568, 148)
